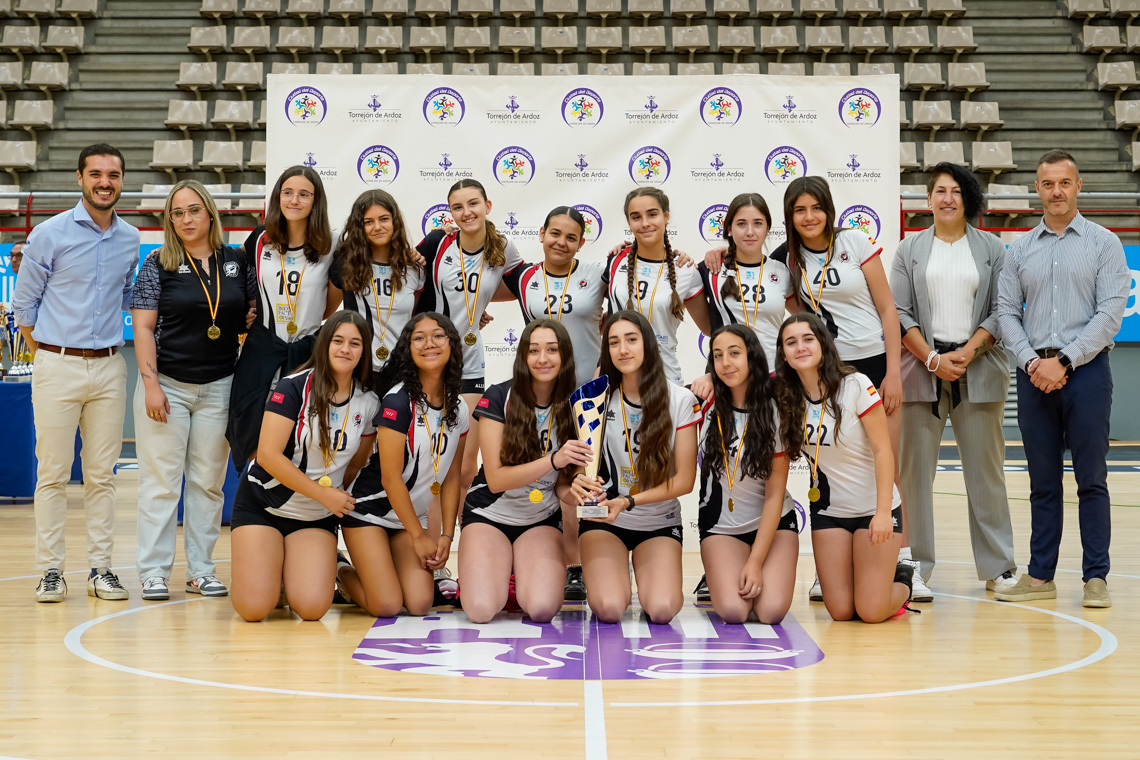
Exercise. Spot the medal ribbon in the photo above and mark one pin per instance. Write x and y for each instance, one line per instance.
(291, 301)
(391, 301)
(561, 300)
(436, 447)
(815, 302)
(628, 445)
(652, 296)
(218, 290)
(724, 450)
(469, 307)
(348, 407)
(755, 296)
(818, 436)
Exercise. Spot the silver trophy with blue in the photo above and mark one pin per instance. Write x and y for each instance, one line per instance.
(588, 404)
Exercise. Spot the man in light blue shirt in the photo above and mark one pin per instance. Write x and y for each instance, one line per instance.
(75, 281)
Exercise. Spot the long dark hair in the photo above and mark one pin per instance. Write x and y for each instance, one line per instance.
(355, 250)
(759, 444)
(790, 393)
(521, 443)
(676, 305)
(973, 199)
(731, 288)
(817, 188)
(655, 460)
(318, 237)
(400, 368)
(495, 246)
(323, 382)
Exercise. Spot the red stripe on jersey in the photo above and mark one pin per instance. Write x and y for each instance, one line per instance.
(694, 295)
(524, 280)
(873, 255)
(368, 435)
(778, 454)
(694, 422)
(872, 406)
(615, 264)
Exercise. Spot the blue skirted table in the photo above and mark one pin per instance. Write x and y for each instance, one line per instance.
(18, 462)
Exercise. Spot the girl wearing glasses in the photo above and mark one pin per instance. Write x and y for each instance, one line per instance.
(192, 300)
(422, 424)
(291, 254)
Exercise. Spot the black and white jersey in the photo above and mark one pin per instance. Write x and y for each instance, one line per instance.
(747, 494)
(446, 286)
(514, 507)
(764, 289)
(845, 475)
(291, 399)
(655, 292)
(287, 283)
(397, 413)
(619, 464)
(386, 309)
(847, 307)
(575, 300)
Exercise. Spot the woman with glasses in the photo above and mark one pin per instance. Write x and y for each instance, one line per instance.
(291, 254)
(193, 298)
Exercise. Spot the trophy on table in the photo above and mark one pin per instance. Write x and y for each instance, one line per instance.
(589, 406)
(21, 369)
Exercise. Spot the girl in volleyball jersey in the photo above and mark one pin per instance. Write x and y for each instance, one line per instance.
(512, 519)
(749, 534)
(649, 460)
(422, 427)
(834, 415)
(317, 432)
(463, 272)
(646, 279)
(378, 270)
(291, 253)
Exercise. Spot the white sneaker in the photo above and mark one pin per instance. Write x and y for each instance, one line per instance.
(1006, 580)
(155, 589)
(816, 593)
(52, 587)
(103, 584)
(919, 592)
(207, 585)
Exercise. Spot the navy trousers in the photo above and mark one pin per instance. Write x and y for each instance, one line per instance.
(1075, 417)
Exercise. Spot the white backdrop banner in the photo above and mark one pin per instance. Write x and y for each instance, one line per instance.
(540, 142)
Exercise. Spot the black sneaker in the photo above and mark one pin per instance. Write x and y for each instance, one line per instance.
(340, 593)
(702, 591)
(575, 584)
(904, 573)
(446, 589)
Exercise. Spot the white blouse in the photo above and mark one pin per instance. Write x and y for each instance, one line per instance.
(952, 282)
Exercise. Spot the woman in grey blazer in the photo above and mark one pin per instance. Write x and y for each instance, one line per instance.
(945, 281)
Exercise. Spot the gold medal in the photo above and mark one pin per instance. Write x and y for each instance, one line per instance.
(214, 332)
(731, 474)
(291, 328)
(27, 356)
(535, 495)
(291, 301)
(731, 504)
(634, 490)
(435, 488)
(325, 481)
(470, 339)
(813, 493)
(469, 306)
(381, 353)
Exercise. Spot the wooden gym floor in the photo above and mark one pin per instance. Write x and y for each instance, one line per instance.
(968, 678)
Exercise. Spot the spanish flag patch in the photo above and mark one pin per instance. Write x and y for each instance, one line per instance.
(871, 390)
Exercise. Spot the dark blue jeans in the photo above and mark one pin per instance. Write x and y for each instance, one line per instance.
(1075, 417)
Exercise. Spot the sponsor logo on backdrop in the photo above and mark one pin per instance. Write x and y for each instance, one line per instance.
(711, 223)
(582, 170)
(859, 108)
(306, 106)
(444, 107)
(789, 111)
(513, 166)
(514, 112)
(649, 166)
(777, 235)
(720, 107)
(862, 218)
(446, 170)
(650, 111)
(582, 107)
(436, 218)
(855, 172)
(378, 165)
(373, 111)
(593, 222)
(325, 171)
(717, 170)
(519, 228)
(503, 347)
(784, 164)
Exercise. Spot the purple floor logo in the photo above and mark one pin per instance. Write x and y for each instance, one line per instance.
(575, 646)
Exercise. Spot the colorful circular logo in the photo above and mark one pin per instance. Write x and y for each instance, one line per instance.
(378, 165)
(513, 166)
(859, 108)
(593, 222)
(720, 107)
(582, 108)
(436, 218)
(784, 164)
(444, 107)
(306, 106)
(712, 223)
(862, 218)
(649, 166)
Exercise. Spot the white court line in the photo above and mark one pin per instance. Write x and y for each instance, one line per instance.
(595, 721)
(1108, 645)
(74, 644)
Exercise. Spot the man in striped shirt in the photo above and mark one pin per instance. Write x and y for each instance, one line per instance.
(1061, 299)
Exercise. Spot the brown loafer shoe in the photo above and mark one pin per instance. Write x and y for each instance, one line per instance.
(1024, 591)
(1096, 594)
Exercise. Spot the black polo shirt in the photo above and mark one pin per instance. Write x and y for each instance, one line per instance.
(185, 351)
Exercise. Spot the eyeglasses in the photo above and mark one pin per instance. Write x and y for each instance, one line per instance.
(194, 212)
(436, 339)
(304, 195)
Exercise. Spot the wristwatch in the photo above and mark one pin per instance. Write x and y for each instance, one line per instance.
(1066, 362)
(1029, 364)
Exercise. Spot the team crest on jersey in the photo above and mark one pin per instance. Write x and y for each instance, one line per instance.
(357, 420)
(843, 256)
(183, 269)
(774, 277)
(583, 284)
(230, 268)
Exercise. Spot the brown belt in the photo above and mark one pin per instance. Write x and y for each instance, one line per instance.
(1049, 353)
(84, 353)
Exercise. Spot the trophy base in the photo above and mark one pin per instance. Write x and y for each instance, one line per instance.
(592, 510)
(17, 378)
